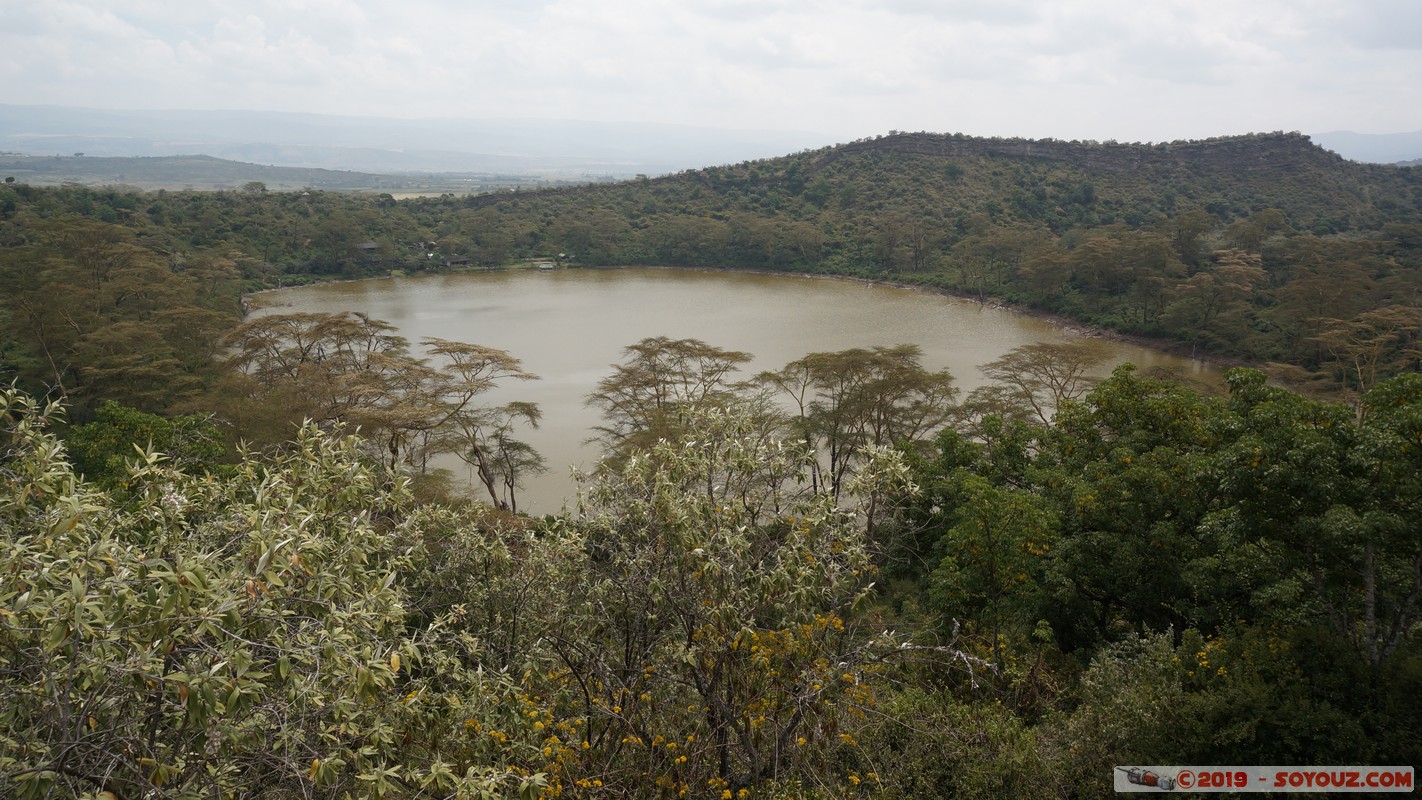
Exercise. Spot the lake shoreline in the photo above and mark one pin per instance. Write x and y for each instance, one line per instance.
(572, 327)
(1067, 324)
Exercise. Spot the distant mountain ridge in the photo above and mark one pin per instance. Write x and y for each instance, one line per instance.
(1250, 152)
(1252, 247)
(179, 172)
(551, 148)
(369, 144)
(202, 172)
(1043, 181)
(1378, 148)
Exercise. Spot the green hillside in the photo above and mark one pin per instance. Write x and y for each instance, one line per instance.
(1254, 247)
(228, 566)
(1263, 248)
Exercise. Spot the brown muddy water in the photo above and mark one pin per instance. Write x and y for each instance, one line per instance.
(569, 325)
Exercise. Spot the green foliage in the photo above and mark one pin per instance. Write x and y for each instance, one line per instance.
(933, 745)
(241, 636)
(1165, 240)
(1035, 380)
(101, 450)
(695, 628)
(1282, 700)
(853, 402)
(718, 612)
(645, 397)
(1130, 700)
(992, 567)
(286, 369)
(1136, 572)
(1238, 572)
(97, 316)
(1154, 577)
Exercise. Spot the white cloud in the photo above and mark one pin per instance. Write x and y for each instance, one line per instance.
(1089, 68)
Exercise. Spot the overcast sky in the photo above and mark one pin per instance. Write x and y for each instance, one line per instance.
(1133, 70)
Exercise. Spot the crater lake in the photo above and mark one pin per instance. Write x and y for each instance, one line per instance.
(569, 326)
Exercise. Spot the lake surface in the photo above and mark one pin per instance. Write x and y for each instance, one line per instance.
(570, 325)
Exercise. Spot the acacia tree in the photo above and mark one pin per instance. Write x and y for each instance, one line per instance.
(96, 316)
(1214, 303)
(1042, 377)
(850, 402)
(1372, 345)
(659, 379)
(284, 368)
(348, 368)
(991, 258)
(699, 627)
(484, 439)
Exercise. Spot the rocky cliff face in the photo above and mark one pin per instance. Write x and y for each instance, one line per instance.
(1250, 153)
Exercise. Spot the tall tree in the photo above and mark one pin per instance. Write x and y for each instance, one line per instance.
(660, 378)
(99, 316)
(713, 629)
(348, 368)
(1375, 344)
(850, 402)
(1044, 376)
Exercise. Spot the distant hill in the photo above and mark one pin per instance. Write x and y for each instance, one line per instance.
(208, 173)
(550, 148)
(559, 149)
(1263, 247)
(1259, 247)
(1137, 168)
(1058, 184)
(178, 172)
(1378, 148)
